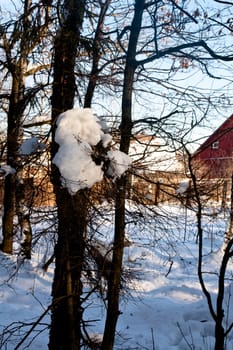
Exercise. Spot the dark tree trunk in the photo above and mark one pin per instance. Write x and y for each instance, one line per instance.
(67, 287)
(122, 184)
(65, 332)
(220, 332)
(14, 136)
(14, 189)
(17, 105)
(219, 336)
(9, 212)
(115, 275)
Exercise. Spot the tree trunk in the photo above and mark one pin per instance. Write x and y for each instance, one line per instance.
(219, 326)
(115, 276)
(8, 216)
(119, 236)
(65, 331)
(14, 134)
(219, 336)
(14, 139)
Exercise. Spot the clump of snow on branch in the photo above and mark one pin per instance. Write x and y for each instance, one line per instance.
(78, 131)
(31, 146)
(6, 170)
(183, 187)
(106, 140)
(119, 163)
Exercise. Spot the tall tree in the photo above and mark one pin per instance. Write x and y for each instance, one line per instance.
(27, 33)
(14, 132)
(121, 184)
(65, 332)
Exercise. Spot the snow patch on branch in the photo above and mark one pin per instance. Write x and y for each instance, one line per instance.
(31, 146)
(6, 170)
(183, 187)
(119, 163)
(78, 132)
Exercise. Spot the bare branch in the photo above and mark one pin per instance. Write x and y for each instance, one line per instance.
(224, 2)
(185, 12)
(172, 50)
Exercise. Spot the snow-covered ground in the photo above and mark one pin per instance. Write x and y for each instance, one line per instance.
(163, 308)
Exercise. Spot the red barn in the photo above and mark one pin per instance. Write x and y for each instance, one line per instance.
(214, 158)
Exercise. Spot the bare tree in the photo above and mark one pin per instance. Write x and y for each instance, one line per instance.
(121, 185)
(27, 33)
(72, 210)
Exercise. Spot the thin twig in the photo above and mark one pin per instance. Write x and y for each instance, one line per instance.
(153, 339)
(182, 333)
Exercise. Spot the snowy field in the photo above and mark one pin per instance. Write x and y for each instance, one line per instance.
(163, 308)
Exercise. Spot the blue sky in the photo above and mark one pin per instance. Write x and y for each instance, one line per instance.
(188, 80)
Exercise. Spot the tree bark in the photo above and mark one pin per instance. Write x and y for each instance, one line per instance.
(65, 331)
(8, 216)
(220, 332)
(14, 138)
(14, 192)
(67, 286)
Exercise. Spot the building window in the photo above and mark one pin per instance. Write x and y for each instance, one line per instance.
(215, 145)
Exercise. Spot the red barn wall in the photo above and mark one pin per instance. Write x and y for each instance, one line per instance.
(214, 159)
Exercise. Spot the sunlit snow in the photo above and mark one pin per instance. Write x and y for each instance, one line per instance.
(164, 307)
(119, 163)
